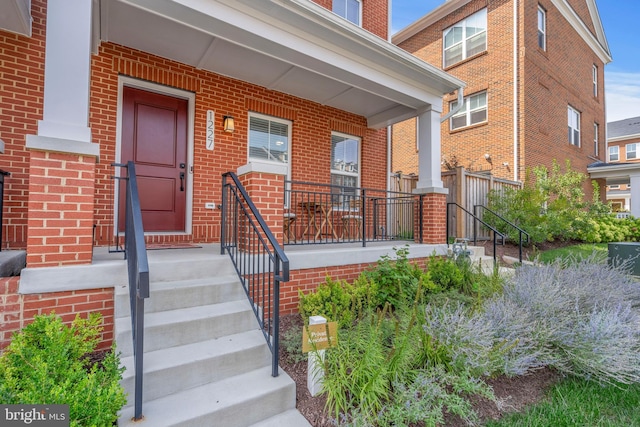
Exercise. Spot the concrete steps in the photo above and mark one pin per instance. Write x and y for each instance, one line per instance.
(206, 361)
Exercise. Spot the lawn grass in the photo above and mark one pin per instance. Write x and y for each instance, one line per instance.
(578, 402)
(581, 250)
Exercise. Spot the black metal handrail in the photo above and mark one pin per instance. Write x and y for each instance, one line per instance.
(259, 260)
(329, 213)
(138, 272)
(509, 223)
(475, 218)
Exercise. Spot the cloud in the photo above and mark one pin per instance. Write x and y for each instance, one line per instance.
(623, 95)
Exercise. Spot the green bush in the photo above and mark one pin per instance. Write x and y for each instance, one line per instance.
(397, 279)
(554, 207)
(46, 363)
(339, 301)
(445, 274)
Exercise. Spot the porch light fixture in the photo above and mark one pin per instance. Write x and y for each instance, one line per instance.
(229, 125)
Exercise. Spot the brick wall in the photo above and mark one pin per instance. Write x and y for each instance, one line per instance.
(60, 209)
(554, 79)
(548, 82)
(21, 94)
(311, 132)
(18, 310)
(21, 89)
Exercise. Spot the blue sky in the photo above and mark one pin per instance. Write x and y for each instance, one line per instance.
(620, 18)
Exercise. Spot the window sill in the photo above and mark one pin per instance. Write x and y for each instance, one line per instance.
(464, 61)
(474, 126)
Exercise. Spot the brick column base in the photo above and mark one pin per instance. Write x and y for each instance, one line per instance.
(61, 196)
(266, 190)
(434, 218)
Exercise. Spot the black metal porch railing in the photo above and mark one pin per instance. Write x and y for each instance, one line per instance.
(135, 253)
(496, 233)
(325, 213)
(506, 223)
(257, 256)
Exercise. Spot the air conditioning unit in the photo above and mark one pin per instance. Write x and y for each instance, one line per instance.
(627, 254)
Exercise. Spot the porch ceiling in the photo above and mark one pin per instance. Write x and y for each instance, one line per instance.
(292, 46)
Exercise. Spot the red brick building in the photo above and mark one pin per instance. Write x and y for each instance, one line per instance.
(535, 84)
(82, 87)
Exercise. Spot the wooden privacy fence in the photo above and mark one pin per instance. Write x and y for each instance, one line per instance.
(468, 189)
(401, 219)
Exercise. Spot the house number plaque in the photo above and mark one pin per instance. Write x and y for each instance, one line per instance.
(209, 130)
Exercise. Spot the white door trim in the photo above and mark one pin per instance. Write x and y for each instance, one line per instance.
(124, 81)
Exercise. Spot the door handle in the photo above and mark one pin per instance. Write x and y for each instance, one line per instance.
(181, 181)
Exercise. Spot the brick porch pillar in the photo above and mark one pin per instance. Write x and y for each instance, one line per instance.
(62, 156)
(264, 183)
(430, 185)
(434, 217)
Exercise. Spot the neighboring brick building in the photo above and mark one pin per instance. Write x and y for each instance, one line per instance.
(623, 141)
(82, 87)
(535, 84)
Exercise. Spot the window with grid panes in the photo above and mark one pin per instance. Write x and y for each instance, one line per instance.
(465, 39)
(472, 112)
(351, 10)
(345, 168)
(614, 153)
(542, 28)
(632, 152)
(573, 120)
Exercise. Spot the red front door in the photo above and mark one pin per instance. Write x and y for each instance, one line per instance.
(154, 136)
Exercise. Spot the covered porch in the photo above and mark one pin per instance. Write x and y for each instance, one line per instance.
(292, 47)
(620, 174)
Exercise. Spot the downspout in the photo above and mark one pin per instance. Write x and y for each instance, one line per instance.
(458, 106)
(515, 90)
(389, 20)
(389, 134)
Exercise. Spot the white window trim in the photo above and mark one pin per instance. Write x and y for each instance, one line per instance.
(358, 174)
(635, 151)
(468, 111)
(595, 80)
(289, 124)
(615, 148)
(542, 30)
(347, 173)
(359, 24)
(577, 113)
(596, 139)
(463, 23)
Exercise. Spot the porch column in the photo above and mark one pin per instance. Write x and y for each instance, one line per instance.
(434, 206)
(634, 180)
(264, 183)
(62, 159)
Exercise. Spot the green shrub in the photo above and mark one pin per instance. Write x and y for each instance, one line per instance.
(46, 363)
(445, 273)
(397, 279)
(339, 301)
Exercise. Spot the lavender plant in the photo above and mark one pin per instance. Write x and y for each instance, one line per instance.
(582, 317)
